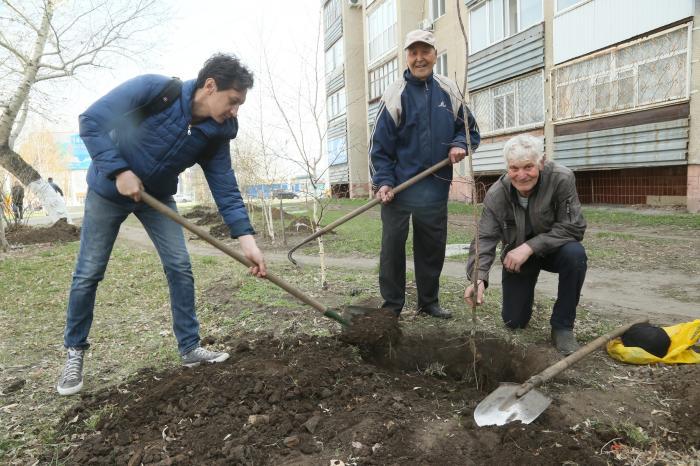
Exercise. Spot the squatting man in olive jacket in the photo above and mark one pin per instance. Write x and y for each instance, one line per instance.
(534, 211)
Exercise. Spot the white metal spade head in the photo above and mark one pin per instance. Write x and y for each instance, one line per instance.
(502, 406)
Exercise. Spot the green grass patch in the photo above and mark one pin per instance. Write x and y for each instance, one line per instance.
(606, 216)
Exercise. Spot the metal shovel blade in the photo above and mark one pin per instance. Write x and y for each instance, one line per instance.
(502, 406)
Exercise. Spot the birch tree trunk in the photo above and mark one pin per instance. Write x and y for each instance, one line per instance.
(4, 245)
(53, 204)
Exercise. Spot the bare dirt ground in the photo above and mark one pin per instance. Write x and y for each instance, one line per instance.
(313, 400)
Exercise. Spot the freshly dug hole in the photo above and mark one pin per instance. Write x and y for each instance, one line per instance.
(451, 356)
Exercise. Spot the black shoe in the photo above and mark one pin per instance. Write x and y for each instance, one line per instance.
(435, 310)
(564, 341)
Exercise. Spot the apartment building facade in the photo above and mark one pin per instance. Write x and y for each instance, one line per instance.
(609, 85)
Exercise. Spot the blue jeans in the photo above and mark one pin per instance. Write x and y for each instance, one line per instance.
(100, 227)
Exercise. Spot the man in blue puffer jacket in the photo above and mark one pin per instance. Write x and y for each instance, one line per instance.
(420, 123)
(130, 156)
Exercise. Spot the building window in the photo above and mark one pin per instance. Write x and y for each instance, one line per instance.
(381, 77)
(437, 9)
(441, 65)
(381, 30)
(334, 56)
(494, 20)
(510, 106)
(331, 12)
(646, 72)
(335, 105)
(337, 151)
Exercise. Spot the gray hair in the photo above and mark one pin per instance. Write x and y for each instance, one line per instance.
(523, 147)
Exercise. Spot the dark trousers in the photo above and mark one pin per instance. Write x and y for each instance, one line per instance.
(429, 241)
(569, 261)
(18, 211)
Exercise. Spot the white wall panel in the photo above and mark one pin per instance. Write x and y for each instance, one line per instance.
(597, 24)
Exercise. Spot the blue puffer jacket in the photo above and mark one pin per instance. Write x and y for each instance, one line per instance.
(161, 147)
(415, 129)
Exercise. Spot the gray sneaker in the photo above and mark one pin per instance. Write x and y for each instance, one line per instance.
(71, 380)
(564, 340)
(199, 355)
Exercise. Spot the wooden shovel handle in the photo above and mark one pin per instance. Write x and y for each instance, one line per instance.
(406, 184)
(174, 216)
(551, 371)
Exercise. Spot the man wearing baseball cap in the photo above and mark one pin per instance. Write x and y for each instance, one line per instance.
(420, 122)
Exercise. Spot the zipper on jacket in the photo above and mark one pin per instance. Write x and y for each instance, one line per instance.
(189, 129)
(568, 209)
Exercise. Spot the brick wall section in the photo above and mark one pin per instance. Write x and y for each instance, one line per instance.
(630, 186)
(693, 188)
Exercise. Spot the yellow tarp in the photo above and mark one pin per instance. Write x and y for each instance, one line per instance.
(683, 336)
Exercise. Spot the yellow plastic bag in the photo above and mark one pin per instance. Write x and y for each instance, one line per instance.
(683, 336)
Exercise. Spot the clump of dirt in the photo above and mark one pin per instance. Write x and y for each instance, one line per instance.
(199, 211)
(209, 219)
(311, 400)
(59, 232)
(220, 231)
(374, 329)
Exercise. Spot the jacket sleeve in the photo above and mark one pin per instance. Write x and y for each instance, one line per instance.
(224, 187)
(569, 225)
(383, 150)
(460, 139)
(107, 113)
(489, 236)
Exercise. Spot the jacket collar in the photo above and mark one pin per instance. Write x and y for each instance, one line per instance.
(410, 79)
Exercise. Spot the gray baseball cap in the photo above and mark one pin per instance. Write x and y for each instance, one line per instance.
(419, 35)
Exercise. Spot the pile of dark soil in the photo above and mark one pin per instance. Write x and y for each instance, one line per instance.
(311, 400)
(204, 215)
(59, 232)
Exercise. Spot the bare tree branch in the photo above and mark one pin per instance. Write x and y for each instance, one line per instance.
(26, 20)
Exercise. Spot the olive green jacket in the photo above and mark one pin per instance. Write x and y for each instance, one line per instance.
(555, 216)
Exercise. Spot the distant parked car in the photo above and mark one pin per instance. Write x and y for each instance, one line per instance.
(280, 194)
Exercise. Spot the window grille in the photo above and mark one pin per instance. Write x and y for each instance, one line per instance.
(510, 106)
(646, 72)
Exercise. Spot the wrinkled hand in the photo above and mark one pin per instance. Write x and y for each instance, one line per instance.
(251, 251)
(385, 194)
(456, 154)
(517, 257)
(129, 185)
(469, 294)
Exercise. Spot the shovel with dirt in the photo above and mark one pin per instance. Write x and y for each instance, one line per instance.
(512, 402)
(406, 184)
(361, 325)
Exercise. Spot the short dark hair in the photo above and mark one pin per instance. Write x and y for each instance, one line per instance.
(49, 179)
(227, 71)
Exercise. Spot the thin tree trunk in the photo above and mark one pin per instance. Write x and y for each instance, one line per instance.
(270, 220)
(284, 233)
(4, 245)
(321, 249)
